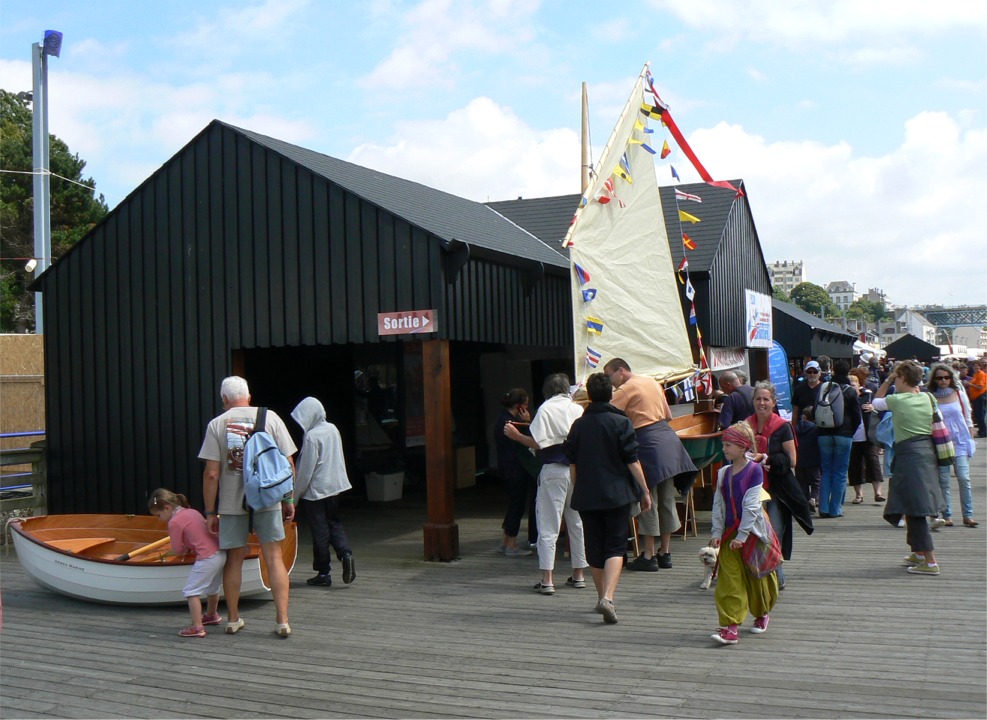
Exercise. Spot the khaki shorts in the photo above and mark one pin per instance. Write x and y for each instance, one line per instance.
(662, 518)
(233, 528)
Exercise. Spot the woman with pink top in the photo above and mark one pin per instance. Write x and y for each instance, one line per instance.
(189, 535)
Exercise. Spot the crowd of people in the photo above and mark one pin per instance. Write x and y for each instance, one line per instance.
(585, 467)
(613, 457)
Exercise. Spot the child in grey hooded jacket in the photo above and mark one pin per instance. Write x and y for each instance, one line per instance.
(321, 478)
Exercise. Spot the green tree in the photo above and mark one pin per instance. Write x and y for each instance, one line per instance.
(814, 299)
(780, 294)
(74, 209)
(864, 309)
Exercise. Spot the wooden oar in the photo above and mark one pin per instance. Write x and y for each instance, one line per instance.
(146, 549)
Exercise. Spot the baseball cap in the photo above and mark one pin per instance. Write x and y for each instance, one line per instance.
(812, 365)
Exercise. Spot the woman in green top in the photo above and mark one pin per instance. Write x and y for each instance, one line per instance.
(915, 492)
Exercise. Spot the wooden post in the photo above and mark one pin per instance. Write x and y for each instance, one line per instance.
(441, 531)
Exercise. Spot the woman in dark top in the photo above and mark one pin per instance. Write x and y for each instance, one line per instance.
(776, 453)
(865, 463)
(607, 479)
(515, 403)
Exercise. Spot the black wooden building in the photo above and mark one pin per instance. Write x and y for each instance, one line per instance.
(246, 254)
(910, 347)
(804, 336)
(727, 259)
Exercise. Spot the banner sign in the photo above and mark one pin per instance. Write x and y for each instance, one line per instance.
(758, 312)
(781, 378)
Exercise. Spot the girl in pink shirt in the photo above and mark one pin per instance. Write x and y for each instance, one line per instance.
(189, 535)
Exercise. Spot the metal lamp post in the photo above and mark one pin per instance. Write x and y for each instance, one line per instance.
(52, 45)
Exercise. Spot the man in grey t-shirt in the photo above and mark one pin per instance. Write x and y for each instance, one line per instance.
(226, 513)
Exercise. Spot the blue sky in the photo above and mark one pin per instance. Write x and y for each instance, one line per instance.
(859, 128)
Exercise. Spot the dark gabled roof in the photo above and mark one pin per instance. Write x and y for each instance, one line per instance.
(446, 216)
(808, 318)
(713, 212)
(546, 218)
(909, 345)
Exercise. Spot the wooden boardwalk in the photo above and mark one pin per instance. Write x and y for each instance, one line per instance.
(852, 636)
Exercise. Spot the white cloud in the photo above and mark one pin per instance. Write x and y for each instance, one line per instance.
(755, 74)
(900, 221)
(435, 31)
(877, 29)
(482, 152)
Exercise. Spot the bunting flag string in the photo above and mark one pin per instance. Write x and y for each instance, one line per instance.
(592, 357)
(679, 195)
(581, 274)
(686, 217)
(594, 326)
(665, 150)
(660, 112)
(687, 242)
(589, 294)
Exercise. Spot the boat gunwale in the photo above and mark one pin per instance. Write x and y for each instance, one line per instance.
(15, 525)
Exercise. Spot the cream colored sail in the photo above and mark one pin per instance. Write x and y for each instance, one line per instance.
(622, 244)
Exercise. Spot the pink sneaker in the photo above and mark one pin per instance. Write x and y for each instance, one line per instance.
(192, 631)
(760, 625)
(212, 619)
(726, 636)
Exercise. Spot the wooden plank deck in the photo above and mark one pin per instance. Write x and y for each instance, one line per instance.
(852, 636)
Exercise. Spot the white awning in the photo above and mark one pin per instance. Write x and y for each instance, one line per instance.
(862, 347)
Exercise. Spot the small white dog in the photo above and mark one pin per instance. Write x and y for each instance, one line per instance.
(708, 556)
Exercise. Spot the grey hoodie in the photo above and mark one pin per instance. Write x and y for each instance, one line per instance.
(321, 466)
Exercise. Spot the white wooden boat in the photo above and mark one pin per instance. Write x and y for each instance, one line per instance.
(81, 556)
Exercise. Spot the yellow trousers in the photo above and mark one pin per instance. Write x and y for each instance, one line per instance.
(738, 592)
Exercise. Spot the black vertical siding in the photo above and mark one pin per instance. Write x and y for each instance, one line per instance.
(738, 266)
(231, 246)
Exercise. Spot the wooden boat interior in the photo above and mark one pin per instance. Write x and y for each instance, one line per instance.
(105, 538)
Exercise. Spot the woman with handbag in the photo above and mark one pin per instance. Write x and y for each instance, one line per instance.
(915, 493)
(865, 462)
(776, 452)
(954, 405)
(738, 520)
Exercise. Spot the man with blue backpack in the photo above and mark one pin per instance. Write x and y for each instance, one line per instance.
(245, 488)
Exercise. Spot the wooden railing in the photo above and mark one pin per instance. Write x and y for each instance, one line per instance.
(22, 488)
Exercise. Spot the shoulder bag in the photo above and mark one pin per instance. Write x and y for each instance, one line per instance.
(945, 451)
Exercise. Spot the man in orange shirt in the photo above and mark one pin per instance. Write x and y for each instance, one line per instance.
(977, 390)
(665, 461)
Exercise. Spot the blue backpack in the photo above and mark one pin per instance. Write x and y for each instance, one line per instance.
(267, 475)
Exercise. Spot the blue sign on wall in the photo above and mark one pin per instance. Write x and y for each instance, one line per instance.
(782, 379)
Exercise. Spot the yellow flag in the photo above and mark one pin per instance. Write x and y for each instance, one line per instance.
(686, 217)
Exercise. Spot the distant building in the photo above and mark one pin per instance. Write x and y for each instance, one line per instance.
(842, 293)
(908, 322)
(972, 337)
(876, 295)
(786, 274)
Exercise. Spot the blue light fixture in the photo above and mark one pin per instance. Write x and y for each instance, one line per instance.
(53, 42)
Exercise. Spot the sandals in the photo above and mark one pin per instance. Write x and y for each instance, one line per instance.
(858, 500)
(544, 589)
(196, 631)
(573, 583)
(282, 629)
(879, 498)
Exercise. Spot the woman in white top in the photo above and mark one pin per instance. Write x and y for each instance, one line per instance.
(954, 405)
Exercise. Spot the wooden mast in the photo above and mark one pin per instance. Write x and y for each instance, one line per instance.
(584, 168)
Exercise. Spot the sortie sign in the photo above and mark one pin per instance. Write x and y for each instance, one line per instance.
(406, 322)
